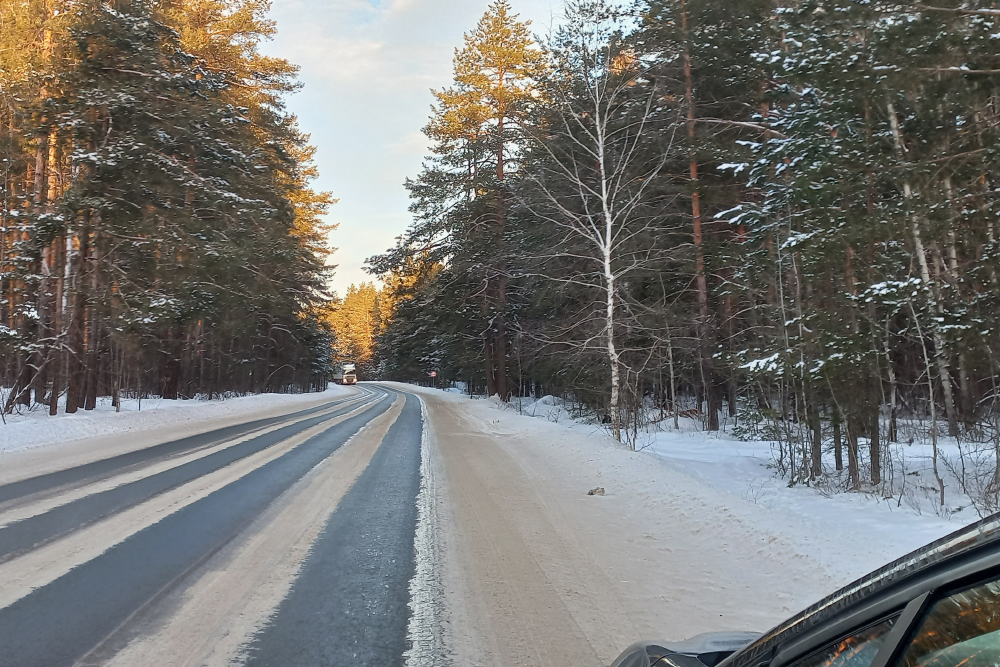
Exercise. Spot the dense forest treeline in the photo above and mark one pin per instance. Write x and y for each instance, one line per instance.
(778, 212)
(158, 234)
(356, 321)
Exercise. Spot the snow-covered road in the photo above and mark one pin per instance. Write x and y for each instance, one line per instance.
(292, 533)
(207, 548)
(540, 573)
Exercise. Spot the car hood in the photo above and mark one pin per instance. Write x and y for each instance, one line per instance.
(705, 650)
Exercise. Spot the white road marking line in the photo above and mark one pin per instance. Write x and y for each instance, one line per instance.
(25, 573)
(32, 509)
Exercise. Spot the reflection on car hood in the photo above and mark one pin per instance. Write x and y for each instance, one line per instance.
(712, 642)
(702, 651)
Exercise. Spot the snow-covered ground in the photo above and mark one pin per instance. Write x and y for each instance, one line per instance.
(849, 533)
(748, 468)
(35, 428)
(693, 533)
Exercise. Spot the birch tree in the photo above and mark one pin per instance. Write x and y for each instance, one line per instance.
(596, 166)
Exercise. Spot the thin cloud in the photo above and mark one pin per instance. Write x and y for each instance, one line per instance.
(367, 69)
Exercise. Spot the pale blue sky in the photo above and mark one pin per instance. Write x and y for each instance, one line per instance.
(367, 69)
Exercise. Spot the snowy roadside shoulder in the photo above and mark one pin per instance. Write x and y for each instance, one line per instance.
(850, 534)
(35, 428)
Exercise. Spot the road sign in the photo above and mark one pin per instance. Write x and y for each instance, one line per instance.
(434, 374)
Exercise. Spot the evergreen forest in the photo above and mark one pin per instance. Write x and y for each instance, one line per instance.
(158, 232)
(780, 216)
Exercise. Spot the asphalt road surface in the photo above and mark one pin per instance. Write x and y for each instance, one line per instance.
(381, 526)
(180, 504)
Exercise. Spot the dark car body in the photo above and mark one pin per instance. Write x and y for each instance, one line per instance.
(900, 608)
(706, 650)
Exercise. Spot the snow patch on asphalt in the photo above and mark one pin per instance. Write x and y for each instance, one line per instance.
(425, 630)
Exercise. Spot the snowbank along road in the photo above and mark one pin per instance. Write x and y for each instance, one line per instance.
(381, 527)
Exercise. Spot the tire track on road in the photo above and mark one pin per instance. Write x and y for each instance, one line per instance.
(97, 469)
(57, 624)
(46, 564)
(208, 620)
(21, 536)
(349, 606)
(26, 508)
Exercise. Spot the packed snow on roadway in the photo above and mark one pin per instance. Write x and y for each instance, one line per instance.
(850, 533)
(35, 428)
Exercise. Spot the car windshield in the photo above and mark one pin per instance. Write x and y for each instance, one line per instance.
(858, 650)
(962, 630)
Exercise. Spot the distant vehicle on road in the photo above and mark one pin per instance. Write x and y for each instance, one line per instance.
(936, 607)
(345, 373)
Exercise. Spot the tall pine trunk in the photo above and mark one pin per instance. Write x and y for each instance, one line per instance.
(853, 472)
(488, 341)
(43, 304)
(500, 346)
(816, 444)
(704, 325)
(875, 448)
(57, 355)
(76, 335)
(838, 446)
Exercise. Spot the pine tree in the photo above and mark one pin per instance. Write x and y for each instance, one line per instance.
(704, 48)
(357, 322)
(167, 240)
(462, 198)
